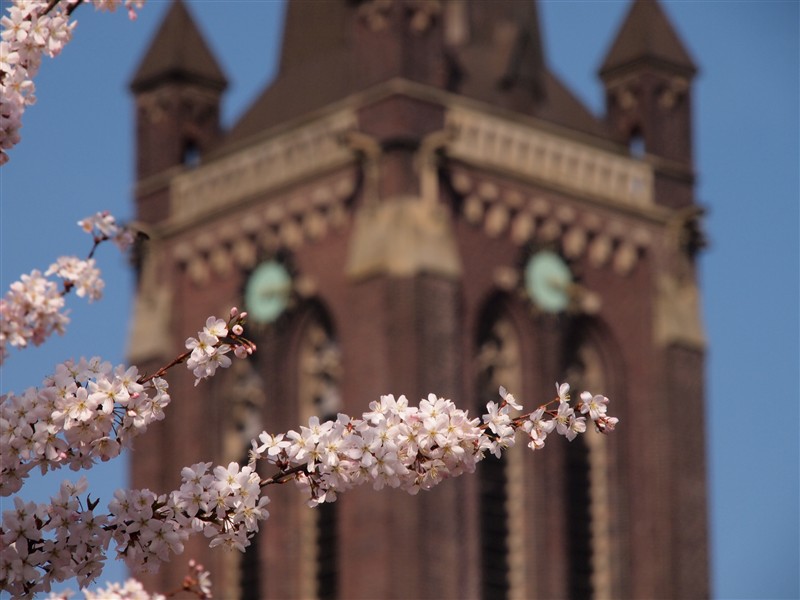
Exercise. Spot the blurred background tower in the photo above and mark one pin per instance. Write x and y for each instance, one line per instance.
(417, 204)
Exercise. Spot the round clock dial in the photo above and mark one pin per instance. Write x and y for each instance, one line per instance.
(548, 280)
(267, 293)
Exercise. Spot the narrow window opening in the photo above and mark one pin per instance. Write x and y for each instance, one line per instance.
(241, 396)
(191, 154)
(579, 519)
(319, 377)
(249, 565)
(588, 532)
(636, 145)
(494, 528)
(327, 558)
(500, 504)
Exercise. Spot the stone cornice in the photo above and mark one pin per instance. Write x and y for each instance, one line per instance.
(310, 162)
(606, 237)
(528, 153)
(293, 156)
(225, 244)
(156, 183)
(525, 147)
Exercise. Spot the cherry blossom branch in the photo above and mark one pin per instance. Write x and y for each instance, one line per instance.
(33, 308)
(33, 29)
(391, 445)
(206, 352)
(87, 412)
(84, 413)
(197, 581)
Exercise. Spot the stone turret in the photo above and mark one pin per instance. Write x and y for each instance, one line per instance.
(178, 88)
(648, 76)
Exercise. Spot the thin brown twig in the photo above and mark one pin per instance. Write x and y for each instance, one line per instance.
(160, 373)
(281, 476)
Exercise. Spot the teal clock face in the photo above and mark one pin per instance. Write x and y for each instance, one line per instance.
(547, 281)
(267, 293)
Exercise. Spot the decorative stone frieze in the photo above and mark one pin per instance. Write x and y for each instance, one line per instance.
(306, 216)
(526, 152)
(281, 160)
(611, 241)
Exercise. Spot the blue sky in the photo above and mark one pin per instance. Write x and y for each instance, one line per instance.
(76, 158)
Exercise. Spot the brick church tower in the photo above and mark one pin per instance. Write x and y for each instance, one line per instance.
(417, 204)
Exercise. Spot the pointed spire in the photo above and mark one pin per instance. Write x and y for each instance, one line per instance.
(490, 50)
(326, 23)
(526, 64)
(647, 35)
(502, 62)
(178, 52)
(501, 49)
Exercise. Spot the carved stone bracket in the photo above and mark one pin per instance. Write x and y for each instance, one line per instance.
(678, 315)
(421, 14)
(306, 216)
(375, 13)
(402, 237)
(537, 219)
(678, 308)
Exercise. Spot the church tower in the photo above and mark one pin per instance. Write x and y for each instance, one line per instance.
(418, 204)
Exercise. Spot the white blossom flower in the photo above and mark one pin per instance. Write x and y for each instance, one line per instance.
(509, 399)
(562, 391)
(596, 406)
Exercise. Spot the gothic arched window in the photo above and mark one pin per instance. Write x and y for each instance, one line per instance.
(239, 399)
(319, 375)
(501, 492)
(587, 482)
